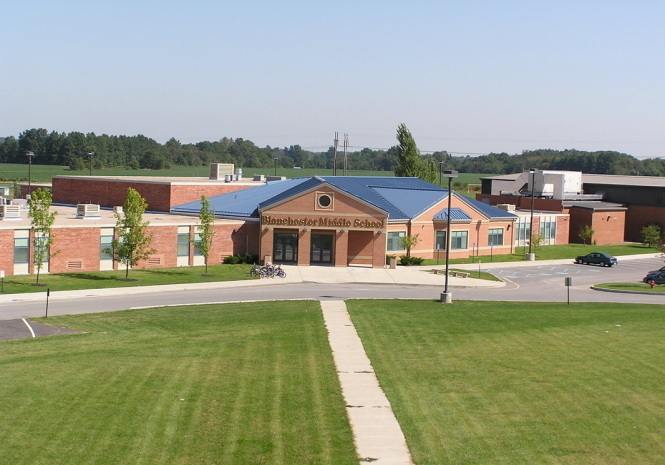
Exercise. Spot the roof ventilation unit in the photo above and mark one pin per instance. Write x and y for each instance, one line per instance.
(88, 211)
(10, 212)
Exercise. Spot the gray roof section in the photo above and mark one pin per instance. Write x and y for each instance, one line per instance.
(599, 206)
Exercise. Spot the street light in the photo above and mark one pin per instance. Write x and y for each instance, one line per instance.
(440, 168)
(29, 155)
(447, 297)
(275, 161)
(91, 154)
(533, 188)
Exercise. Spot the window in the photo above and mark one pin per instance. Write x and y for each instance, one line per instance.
(495, 236)
(21, 250)
(459, 240)
(197, 245)
(395, 241)
(41, 248)
(106, 247)
(547, 230)
(440, 243)
(183, 244)
(523, 232)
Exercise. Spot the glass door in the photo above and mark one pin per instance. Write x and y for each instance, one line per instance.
(322, 248)
(285, 247)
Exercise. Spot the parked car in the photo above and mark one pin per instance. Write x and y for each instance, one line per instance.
(658, 277)
(597, 258)
(656, 271)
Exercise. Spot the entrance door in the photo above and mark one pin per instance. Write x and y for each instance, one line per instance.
(285, 248)
(322, 248)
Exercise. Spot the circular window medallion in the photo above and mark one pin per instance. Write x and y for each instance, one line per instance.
(324, 201)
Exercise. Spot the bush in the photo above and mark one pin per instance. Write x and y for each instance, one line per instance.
(241, 258)
(410, 261)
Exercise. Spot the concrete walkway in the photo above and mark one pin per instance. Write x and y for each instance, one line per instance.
(377, 434)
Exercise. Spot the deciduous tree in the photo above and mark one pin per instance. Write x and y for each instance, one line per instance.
(206, 230)
(408, 155)
(133, 239)
(41, 220)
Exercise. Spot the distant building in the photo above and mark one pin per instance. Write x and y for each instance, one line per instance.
(616, 207)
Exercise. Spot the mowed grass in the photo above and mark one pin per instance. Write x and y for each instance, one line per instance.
(521, 383)
(224, 384)
(139, 277)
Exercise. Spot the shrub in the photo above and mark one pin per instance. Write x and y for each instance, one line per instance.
(240, 258)
(231, 260)
(410, 261)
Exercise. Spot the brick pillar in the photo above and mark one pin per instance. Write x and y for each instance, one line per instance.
(341, 248)
(304, 246)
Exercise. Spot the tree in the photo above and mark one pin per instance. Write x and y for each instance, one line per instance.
(651, 235)
(428, 170)
(409, 242)
(586, 234)
(206, 230)
(408, 155)
(133, 242)
(41, 220)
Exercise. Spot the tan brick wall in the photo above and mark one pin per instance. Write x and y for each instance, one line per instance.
(609, 227)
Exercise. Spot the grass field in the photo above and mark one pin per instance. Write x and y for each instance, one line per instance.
(521, 383)
(44, 173)
(108, 279)
(555, 252)
(234, 384)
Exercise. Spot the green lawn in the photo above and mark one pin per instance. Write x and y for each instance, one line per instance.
(640, 287)
(554, 252)
(521, 383)
(44, 173)
(106, 279)
(225, 384)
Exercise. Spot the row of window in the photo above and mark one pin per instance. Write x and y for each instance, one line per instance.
(22, 247)
(459, 240)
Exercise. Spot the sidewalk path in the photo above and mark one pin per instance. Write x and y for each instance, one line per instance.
(377, 434)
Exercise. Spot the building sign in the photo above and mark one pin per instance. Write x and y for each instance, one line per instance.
(322, 222)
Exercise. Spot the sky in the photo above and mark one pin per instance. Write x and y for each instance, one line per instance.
(465, 76)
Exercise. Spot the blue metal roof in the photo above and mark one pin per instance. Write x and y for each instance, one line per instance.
(455, 214)
(400, 198)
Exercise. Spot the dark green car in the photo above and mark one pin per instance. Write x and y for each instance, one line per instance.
(597, 258)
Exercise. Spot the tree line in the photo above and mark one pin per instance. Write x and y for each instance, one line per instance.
(78, 150)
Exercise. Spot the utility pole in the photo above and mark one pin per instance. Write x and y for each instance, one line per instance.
(346, 149)
(335, 154)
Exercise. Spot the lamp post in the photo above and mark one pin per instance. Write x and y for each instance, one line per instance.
(275, 162)
(91, 154)
(530, 256)
(29, 155)
(447, 297)
(440, 168)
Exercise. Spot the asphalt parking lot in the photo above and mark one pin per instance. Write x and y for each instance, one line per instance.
(21, 329)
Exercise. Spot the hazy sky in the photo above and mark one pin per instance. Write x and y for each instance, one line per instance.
(466, 76)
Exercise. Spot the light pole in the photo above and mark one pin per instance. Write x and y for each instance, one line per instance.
(275, 162)
(530, 256)
(447, 297)
(29, 155)
(440, 168)
(91, 154)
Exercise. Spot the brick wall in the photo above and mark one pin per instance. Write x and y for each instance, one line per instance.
(78, 249)
(637, 217)
(184, 194)
(609, 227)
(7, 251)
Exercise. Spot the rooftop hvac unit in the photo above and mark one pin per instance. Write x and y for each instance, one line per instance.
(220, 170)
(509, 207)
(117, 210)
(10, 212)
(88, 211)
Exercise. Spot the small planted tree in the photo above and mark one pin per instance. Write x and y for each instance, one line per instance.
(651, 235)
(41, 220)
(133, 241)
(586, 234)
(206, 231)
